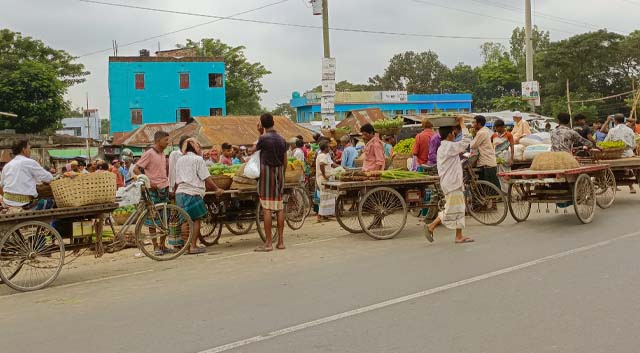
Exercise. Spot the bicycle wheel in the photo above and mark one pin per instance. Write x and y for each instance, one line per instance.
(296, 209)
(347, 214)
(31, 256)
(584, 198)
(164, 232)
(260, 224)
(382, 213)
(209, 232)
(486, 203)
(519, 206)
(605, 184)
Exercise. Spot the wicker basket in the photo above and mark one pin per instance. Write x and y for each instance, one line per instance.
(222, 181)
(120, 219)
(400, 161)
(44, 191)
(240, 186)
(244, 180)
(358, 162)
(88, 189)
(293, 176)
(609, 153)
(389, 131)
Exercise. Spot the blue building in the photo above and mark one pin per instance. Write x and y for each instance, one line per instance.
(161, 89)
(390, 103)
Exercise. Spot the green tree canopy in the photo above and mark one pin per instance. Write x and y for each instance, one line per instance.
(413, 72)
(285, 109)
(243, 78)
(33, 81)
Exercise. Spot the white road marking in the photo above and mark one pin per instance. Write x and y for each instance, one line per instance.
(79, 283)
(409, 297)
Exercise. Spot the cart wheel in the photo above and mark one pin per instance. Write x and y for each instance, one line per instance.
(240, 227)
(486, 203)
(260, 225)
(382, 213)
(209, 232)
(296, 209)
(347, 214)
(31, 256)
(584, 198)
(519, 207)
(605, 184)
(169, 226)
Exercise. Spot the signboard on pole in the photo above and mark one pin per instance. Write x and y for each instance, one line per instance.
(531, 92)
(327, 103)
(316, 5)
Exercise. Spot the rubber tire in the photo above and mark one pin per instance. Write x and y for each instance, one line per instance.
(504, 201)
(363, 202)
(141, 224)
(586, 179)
(517, 218)
(612, 185)
(305, 205)
(342, 222)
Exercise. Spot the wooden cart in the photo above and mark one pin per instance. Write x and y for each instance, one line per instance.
(379, 207)
(32, 251)
(239, 210)
(561, 187)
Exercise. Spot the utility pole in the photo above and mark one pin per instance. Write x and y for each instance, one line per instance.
(325, 28)
(529, 46)
(88, 129)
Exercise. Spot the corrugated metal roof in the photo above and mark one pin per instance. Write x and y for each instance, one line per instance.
(143, 136)
(241, 130)
(356, 118)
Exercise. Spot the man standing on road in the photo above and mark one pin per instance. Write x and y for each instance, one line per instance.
(273, 161)
(423, 139)
(487, 154)
(154, 163)
(521, 128)
(451, 182)
(373, 152)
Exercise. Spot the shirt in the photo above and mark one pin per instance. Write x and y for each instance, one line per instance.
(297, 153)
(387, 150)
(323, 159)
(434, 144)
(20, 177)
(482, 142)
(421, 147)
(373, 154)
(173, 160)
(124, 171)
(621, 132)
(449, 164)
(563, 138)
(226, 160)
(349, 156)
(584, 131)
(272, 149)
(521, 130)
(155, 167)
(191, 172)
(119, 180)
(600, 136)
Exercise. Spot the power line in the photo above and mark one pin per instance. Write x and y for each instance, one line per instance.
(339, 29)
(542, 15)
(183, 29)
(483, 15)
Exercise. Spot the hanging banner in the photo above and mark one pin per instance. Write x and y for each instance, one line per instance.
(327, 102)
(531, 91)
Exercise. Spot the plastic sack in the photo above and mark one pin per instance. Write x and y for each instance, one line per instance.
(531, 140)
(252, 168)
(518, 152)
(129, 195)
(530, 152)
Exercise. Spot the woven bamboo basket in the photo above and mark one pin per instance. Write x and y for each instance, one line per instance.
(244, 180)
(241, 186)
(44, 191)
(222, 181)
(610, 153)
(358, 162)
(120, 219)
(293, 176)
(400, 161)
(88, 189)
(389, 131)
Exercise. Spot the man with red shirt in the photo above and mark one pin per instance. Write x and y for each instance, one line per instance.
(116, 170)
(373, 152)
(421, 147)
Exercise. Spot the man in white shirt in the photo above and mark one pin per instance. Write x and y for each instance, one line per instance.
(451, 181)
(19, 179)
(173, 160)
(621, 132)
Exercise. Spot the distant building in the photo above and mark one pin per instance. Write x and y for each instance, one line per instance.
(78, 126)
(391, 103)
(164, 89)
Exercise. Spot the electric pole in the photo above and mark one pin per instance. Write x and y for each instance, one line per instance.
(325, 28)
(529, 45)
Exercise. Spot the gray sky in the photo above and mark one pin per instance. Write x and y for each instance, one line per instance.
(294, 54)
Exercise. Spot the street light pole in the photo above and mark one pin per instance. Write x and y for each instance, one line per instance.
(325, 28)
(529, 46)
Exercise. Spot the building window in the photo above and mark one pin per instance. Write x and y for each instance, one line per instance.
(215, 111)
(184, 80)
(139, 78)
(136, 116)
(424, 111)
(215, 80)
(183, 115)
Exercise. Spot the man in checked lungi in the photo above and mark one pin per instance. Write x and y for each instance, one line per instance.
(451, 181)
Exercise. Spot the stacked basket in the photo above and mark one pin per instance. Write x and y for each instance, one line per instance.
(83, 190)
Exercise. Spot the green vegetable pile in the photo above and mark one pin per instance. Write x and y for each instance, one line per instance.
(220, 169)
(401, 174)
(124, 210)
(344, 129)
(388, 123)
(611, 144)
(405, 146)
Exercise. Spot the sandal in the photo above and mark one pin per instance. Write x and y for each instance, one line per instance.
(197, 250)
(263, 249)
(428, 234)
(158, 252)
(464, 240)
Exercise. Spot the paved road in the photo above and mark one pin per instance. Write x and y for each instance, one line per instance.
(546, 285)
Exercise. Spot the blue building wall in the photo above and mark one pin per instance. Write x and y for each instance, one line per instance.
(162, 96)
(416, 104)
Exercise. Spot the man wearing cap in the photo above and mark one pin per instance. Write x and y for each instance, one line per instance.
(115, 169)
(521, 128)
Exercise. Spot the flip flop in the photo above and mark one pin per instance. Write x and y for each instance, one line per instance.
(464, 240)
(196, 251)
(428, 234)
(280, 247)
(262, 249)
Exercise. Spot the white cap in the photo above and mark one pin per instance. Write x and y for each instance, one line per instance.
(517, 114)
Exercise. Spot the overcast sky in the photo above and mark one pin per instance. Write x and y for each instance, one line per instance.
(294, 54)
